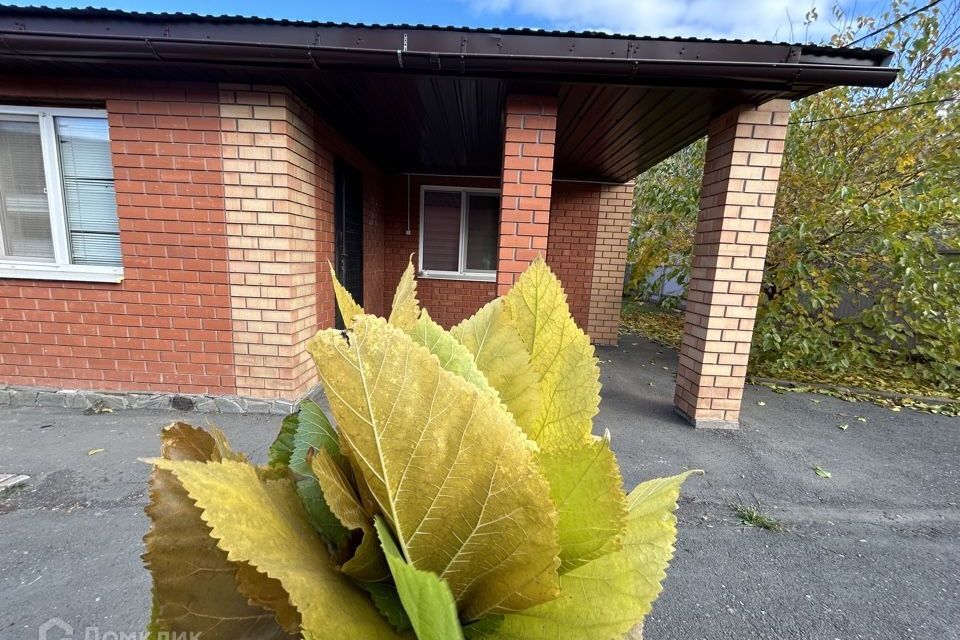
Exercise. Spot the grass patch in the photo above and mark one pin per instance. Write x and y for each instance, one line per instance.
(9, 492)
(754, 517)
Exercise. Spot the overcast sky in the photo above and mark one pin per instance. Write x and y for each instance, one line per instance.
(760, 19)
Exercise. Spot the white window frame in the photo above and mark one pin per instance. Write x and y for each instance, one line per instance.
(61, 268)
(462, 273)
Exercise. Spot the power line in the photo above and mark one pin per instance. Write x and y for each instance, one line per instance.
(872, 111)
(895, 22)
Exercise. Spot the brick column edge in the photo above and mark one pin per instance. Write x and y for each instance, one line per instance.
(528, 148)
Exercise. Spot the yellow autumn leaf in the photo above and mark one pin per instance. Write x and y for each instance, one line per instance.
(264, 524)
(367, 562)
(607, 597)
(447, 465)
(561, 355)
(195, 587)
(349, 309)
(406, 307)
(501, 356)
(586, 487)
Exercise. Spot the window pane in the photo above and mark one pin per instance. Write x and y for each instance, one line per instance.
(88, 192)
(24, 211)
(441, 230)
(483, 215)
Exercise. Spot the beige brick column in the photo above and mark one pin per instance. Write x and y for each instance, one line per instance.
(740, 179)
(609, 262)
(529, 139)
(270, 188)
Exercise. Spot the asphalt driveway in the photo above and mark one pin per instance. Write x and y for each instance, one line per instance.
(872, 552)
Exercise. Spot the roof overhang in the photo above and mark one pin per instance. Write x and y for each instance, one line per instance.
(356, 75)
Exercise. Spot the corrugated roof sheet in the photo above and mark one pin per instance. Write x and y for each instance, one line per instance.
(99, 12)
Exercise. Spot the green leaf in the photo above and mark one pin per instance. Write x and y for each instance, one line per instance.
(820, 471)
(367, 562)
(609, 596)
(304, 432)
(483, 628)
(282, 447)
(387, 601)
(561, 355)
(447, 465)
(501, 356)
(586, 487)
(321, 517)
(314, 431)
(426, 598)
(264, 524)
(453, 356)
(196, 588)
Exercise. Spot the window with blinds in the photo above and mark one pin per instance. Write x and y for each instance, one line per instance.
(58, 210)
(89, 201)
(24, 210)
(459, 233)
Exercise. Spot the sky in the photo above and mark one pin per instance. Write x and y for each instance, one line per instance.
(760, 19)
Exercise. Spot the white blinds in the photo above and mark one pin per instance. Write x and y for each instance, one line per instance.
(88, 191)
(24, 209)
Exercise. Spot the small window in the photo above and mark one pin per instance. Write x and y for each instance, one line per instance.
(459, 231)
(58, 208)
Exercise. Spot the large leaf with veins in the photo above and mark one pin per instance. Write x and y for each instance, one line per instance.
(195, 587)
(607, 597)
(263, 524)
(561, 355)
(500, 354)
(447, 465)
(586, 487)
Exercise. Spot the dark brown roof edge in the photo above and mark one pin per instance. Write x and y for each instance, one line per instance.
(101, 35)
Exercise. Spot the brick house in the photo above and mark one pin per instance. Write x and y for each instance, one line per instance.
(173, 187)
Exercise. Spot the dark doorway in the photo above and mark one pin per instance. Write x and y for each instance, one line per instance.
(348, 230)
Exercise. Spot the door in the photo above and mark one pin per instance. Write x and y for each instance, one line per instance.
(348, 230)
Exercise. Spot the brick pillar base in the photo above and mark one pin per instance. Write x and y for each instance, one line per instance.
(740, 178)
(529, 138)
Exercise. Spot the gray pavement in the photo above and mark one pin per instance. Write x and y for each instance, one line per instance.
(872, 552)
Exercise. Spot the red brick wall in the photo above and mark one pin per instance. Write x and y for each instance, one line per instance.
(167, 326)
(448, 301)
(529, 138)
(572, 240)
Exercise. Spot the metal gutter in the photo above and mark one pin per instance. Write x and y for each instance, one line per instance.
(571, 67)
(120, 37)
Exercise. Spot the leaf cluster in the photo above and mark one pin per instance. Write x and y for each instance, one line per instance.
(461, 494)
